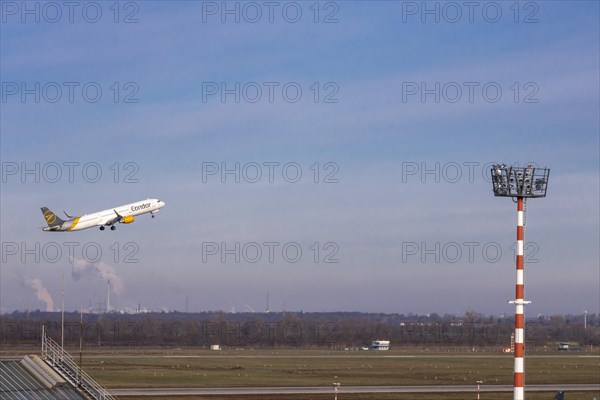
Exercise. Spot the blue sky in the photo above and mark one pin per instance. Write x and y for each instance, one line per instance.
(366, 211)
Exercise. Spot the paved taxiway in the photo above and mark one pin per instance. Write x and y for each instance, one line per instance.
(345, 389)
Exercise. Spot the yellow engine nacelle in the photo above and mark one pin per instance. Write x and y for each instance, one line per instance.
(127, 220)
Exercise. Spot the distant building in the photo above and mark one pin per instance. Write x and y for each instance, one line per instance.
(215, 347)
(380, 345)
(563, 346)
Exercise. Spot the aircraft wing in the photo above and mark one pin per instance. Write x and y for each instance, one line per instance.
(114, 220)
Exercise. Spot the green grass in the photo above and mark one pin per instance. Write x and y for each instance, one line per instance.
(116, 368)
(317, 368)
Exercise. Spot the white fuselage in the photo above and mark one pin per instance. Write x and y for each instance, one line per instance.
(123, 214)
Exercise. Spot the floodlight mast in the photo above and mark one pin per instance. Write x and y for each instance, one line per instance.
(520, 183)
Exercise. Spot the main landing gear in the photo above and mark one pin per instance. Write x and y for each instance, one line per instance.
(112, 228)
(102, 227)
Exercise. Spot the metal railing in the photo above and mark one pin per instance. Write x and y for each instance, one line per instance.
(62, 362)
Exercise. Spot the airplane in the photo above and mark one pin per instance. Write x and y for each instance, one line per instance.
(107, 218)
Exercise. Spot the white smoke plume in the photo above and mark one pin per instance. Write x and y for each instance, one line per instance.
(41, 292)
(105, 271)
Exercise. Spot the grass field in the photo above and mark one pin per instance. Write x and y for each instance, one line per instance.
(203, 368)
(281, 368)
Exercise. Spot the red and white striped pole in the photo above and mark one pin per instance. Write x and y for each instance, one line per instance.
(519, 371)
(520, 183)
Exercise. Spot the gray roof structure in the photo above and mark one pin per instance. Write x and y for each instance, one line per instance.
(20, 382)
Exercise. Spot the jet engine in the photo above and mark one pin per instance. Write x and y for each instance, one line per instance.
(127, 220)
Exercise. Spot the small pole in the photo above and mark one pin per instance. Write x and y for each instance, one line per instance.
(478, 383)
(336, 386)
(80, 347)
(62, 320)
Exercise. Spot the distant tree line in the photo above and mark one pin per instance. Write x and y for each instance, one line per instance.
(335, 330)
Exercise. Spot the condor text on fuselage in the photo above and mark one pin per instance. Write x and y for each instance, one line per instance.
(107, 218)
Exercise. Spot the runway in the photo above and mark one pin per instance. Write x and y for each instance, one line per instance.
(346, 389)
(337, 356)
